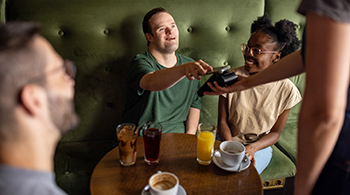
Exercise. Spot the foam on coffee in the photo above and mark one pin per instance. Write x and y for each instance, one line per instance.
(232, 149)
(163, 185)
(163, 182)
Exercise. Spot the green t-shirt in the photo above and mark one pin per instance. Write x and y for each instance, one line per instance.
(168, 107)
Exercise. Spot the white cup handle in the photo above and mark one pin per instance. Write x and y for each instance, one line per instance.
(217, 153)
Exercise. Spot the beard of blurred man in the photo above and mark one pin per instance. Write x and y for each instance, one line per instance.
(62, 112)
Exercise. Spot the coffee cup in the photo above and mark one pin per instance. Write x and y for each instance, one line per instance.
(163, 183)
(232, 152)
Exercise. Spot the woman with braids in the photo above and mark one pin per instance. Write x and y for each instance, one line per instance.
(257, 116)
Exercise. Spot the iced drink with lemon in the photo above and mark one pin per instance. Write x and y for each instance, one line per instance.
(205, 143)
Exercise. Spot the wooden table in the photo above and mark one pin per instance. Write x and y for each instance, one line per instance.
(177, 155)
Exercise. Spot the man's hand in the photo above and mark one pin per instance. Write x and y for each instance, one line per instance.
(240, 85)
(196, 69)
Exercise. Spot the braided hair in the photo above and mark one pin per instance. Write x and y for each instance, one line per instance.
(283, 33)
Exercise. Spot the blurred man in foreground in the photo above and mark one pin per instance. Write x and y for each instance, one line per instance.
(36, 108)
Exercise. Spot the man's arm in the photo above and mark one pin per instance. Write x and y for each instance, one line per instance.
(223, 128)
(288, 66)
(166, 78)
(192, 120)
(322, 113)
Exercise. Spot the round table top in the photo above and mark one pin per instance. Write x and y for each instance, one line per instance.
(178, 154)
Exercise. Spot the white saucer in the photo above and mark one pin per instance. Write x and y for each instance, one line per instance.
(180, 191)
(217, 160)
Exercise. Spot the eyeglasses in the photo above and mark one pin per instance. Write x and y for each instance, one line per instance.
(69, 67)
(254, 51)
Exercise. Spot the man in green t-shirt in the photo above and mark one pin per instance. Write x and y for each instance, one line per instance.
(157, 89)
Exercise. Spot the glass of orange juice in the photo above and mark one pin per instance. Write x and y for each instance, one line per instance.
(206, 134)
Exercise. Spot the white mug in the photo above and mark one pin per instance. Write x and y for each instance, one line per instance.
(232, 152)
(163, 183)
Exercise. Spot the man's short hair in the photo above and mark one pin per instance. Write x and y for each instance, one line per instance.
(19, 62)
(146, 26)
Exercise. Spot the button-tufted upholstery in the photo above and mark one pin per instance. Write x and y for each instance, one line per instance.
(102, 36)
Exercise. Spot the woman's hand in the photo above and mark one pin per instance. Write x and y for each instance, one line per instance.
(240, 85)
(249, 151)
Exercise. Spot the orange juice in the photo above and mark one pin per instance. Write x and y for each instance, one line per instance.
(205, 144)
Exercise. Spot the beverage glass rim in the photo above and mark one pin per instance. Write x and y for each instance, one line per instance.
(135, 129)
(199, 129)
(145, 126)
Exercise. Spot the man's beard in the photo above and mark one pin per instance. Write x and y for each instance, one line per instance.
(62, 112)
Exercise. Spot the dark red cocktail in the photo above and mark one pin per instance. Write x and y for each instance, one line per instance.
(151, 139)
